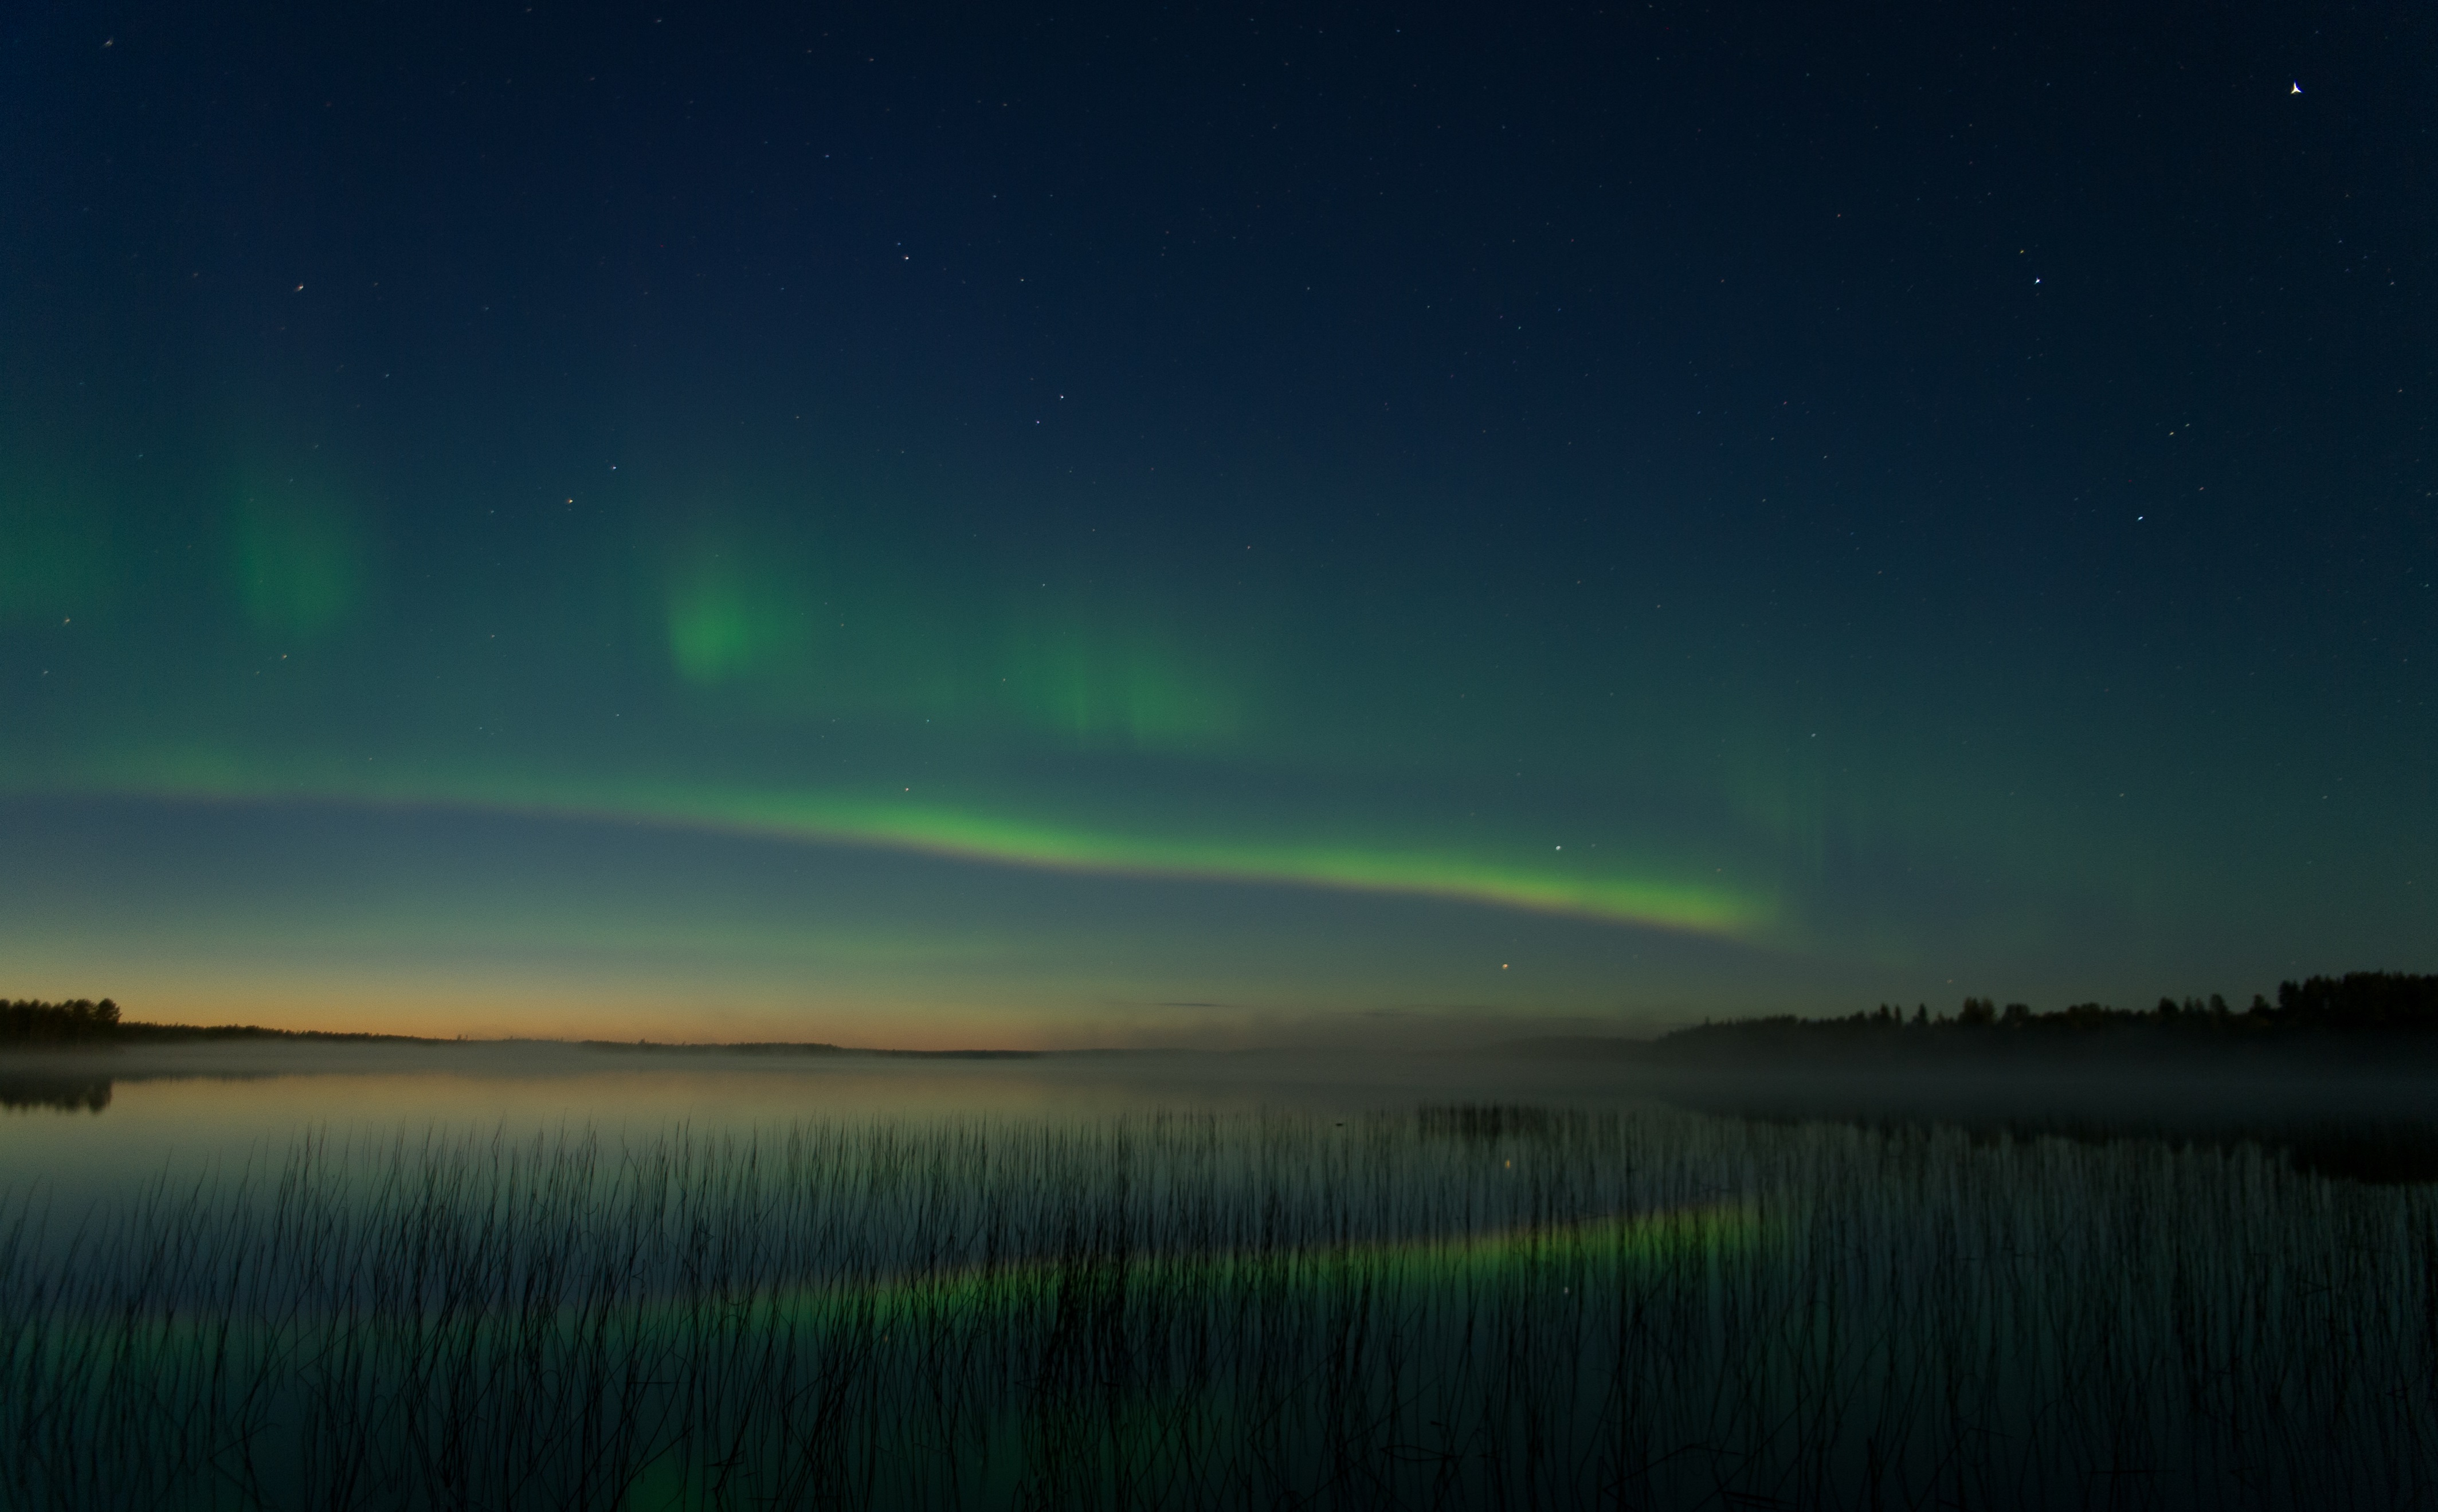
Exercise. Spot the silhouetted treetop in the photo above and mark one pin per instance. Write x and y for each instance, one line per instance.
(2361, 1000)
(26, 1022)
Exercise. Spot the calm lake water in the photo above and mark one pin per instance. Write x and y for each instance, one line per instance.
(89, 1126)
(104, 1125)
(272, 1276)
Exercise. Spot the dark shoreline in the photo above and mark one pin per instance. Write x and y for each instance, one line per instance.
(2367, 1020)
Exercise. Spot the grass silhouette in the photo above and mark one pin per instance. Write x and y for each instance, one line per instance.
(1456, 1306)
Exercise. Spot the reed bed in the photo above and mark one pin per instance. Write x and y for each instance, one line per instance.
(1527, 1308)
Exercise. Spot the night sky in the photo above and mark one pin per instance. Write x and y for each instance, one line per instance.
(1173, 525)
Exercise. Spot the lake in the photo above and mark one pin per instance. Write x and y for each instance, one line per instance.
(545, 1275)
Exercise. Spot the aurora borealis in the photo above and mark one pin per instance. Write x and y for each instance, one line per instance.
(1141, 527)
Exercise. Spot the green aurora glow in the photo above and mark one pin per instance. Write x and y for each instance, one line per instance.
(969, 834)
(1733, 617)
(758, 677)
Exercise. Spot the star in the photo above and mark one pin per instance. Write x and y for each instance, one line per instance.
(2297, 89)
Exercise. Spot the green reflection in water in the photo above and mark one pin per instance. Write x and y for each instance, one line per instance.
(1427, 1260)
(1431, 1261)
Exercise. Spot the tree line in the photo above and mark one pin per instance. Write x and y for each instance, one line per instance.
(82, 1021)
(2358, 1003)
(26, 1022)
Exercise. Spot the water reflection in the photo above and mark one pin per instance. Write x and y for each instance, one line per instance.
(122, 1117)
(2317, 1129)
(74, 1094)
(1500, 1295)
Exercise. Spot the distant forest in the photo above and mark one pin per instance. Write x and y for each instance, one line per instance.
(26, 1022)
(85, 1022)
(2382, 1006)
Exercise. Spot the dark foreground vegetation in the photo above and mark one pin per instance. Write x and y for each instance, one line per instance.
(2379, 1011)
(1471, 1307)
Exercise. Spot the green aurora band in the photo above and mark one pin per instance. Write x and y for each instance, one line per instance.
(1095, 718)
(767, 499)
(974, 833)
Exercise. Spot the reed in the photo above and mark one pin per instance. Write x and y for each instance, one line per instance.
(1455, 1306)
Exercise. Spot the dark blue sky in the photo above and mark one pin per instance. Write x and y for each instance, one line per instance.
(1272, 510)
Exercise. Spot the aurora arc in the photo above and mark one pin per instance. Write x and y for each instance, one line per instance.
(974, 831)
(1144, 502)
